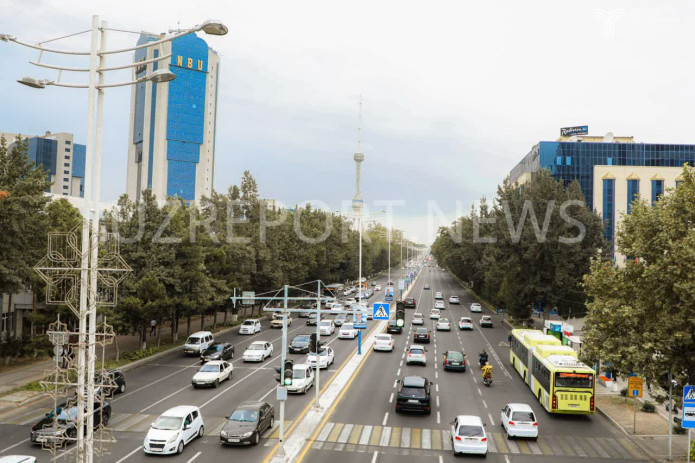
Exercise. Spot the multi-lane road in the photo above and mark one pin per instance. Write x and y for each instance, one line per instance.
(166, 382)
(362, 425)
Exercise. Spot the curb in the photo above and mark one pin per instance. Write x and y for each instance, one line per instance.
(26, 402)
(627, 434)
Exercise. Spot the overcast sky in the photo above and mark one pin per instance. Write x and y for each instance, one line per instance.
(454, 92)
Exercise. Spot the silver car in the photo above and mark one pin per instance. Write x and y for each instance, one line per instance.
(416, 354)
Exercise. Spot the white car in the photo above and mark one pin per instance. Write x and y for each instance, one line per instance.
(173, 430)
(465, 323)
(377, 288)
(326, 358)
(384, 342)
(302, 378)
(454, 300)
(443, 324)
(435, 314)
(17, 459)
(518, 420)
(438, 295)
(416, 354)
(418, 319)
(347, 292)
(348, 331)
(350, 301)
(439, 305)
(250, 326)
(258, 351)
(197, 343)
(327, 327)
(475, 307)
(337, 306)
(212, 374)
(468, 435)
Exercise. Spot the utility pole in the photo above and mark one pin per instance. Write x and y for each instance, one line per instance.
(317, 403)
(283, 355)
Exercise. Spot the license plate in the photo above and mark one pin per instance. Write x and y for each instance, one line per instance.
(41, 439)
(411, 401)
(472, 439)
(454, 364)
(573, 406)
(234, 440)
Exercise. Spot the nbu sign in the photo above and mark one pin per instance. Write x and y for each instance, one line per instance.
(576, 130)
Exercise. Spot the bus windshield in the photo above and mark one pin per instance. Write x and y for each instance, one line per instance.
(574, 380)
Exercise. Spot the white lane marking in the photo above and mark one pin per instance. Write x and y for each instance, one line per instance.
(492, 422)
(480, 393)
(194, 457)
(436, 386)
(187, 386)
(437, 401)
(228, 388)
(475, 380)
(267, 394)
(439, 418)
(401, 364)
(399, 372)
(127, 456)
(324, 432)
(366, 433)
(391, 398)
(385, 436)
(15, 445)
(506, 458)
(395, 383)
(436, 375)
(426, 439)
(441, 459)
(376, 454)
(386, 417)
(484, 403)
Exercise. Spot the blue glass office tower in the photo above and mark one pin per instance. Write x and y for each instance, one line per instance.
(172, 139)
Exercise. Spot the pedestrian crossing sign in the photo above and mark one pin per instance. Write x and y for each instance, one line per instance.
(381, 311)
(688, 407)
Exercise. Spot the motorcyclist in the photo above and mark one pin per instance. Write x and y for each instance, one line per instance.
(482, 357)
(487, 371)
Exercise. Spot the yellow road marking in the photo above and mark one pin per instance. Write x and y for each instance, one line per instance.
(523, 447)
(415, 438)
(376, 436)
(355, 434)
(436, 439)
(335, 432)
(276, 434)
(395, 437)
(501, 444)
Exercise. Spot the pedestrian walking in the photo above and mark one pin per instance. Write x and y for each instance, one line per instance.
(153, 326)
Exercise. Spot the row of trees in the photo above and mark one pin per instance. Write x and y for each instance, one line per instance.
(642, 316)
(529, 249)
(186, 259)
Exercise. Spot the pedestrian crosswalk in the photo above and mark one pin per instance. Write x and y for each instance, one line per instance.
(342, 436)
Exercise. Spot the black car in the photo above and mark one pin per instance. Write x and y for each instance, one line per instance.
(59, 427)
(454, 360)
(247, 423)
(414, 395)
(300, 344)
(393, 327)
(303, 314)
(409, 303)
(312, 319)
(217, 351)
(421, 335)
(113, 382)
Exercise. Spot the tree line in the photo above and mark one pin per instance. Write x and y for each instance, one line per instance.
(529, 249)
(186, 259)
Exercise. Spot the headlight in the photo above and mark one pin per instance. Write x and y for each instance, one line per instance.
(223, 434)
(173, 438)
(247, 434)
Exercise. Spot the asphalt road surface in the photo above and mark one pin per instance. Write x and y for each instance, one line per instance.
(166, 382)
(363, 425)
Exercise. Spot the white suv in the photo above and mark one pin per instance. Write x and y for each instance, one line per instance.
(174, 429)
(250, 327)
(198, 342)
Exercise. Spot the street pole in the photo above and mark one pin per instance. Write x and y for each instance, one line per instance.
(281, 440)
(670, 420)
(317, 403)
(634, 417)
(389, 255)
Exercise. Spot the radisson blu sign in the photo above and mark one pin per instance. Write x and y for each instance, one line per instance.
(576, 130)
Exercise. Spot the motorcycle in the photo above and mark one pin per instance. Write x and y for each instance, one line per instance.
(482, 361)
(487, 381)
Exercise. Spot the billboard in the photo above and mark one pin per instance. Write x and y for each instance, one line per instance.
(576, 130)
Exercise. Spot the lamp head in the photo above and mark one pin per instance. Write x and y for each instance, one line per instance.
(33, 82)
(161, 76)
(359, 157)
(6, 37)
(214, 27)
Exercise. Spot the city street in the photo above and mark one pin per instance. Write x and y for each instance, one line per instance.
(363, 426)
(166, 382)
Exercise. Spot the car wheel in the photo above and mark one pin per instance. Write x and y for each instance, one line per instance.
(201, 432)
(509, 437)
(229, 376)
(122, 388)
(304, 390)
(217, 383)
(272, 422)
(105, 419)
(179, 449)
(256, 439)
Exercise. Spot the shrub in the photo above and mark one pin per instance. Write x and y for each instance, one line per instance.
(623, 392)
(648, 407)
(678, 429)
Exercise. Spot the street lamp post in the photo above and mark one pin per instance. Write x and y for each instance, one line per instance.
(89, 269)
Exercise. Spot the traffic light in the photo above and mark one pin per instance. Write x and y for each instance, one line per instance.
(287, 373)
(315, 344)
(400, 313)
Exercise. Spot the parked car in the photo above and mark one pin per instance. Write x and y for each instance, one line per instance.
(486, 321)
(348, 331)
(454, 300)
(454, 360)
(250, 326)
(302, 378)
(476, 308)
(245, 425)
(173, 430)
(258, 351)
(59, 427)
(325, 358)
(217, 351)
(300, 344)
(414, 394)
(392, 327)
(465, 323)
(197, 343)
(383, 342)
(212, 374)
(468, 435)
(409, 303)
(416, 354)
(518, 420)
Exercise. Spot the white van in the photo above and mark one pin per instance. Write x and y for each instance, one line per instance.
(197, 343)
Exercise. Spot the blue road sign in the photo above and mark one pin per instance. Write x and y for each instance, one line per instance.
(381, 311)
(688, 407)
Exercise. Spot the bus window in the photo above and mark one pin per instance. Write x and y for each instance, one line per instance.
(574, 380)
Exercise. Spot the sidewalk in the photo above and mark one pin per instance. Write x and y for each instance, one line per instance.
(652, 428)
(14, 377)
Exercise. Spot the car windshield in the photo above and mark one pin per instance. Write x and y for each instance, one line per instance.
(255, 347)
(444, 321)
(213, 349)
(465, 320)
(455, 356)
(417, 351)
(523, 416)
(244, 415)
(383, 338)
(326, 323)
(417, 315)
(210, 368)
(298, 374)
(248, 323)
(348, 326)
(168, 423)
(471, 431)
(415, 392)
(421, 331)
(301, 339)
(193, 340)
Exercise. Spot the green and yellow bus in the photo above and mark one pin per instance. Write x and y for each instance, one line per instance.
(557, 378)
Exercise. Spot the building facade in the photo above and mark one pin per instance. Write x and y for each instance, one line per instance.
(60, 156)
(612, 171)
(171, 145)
